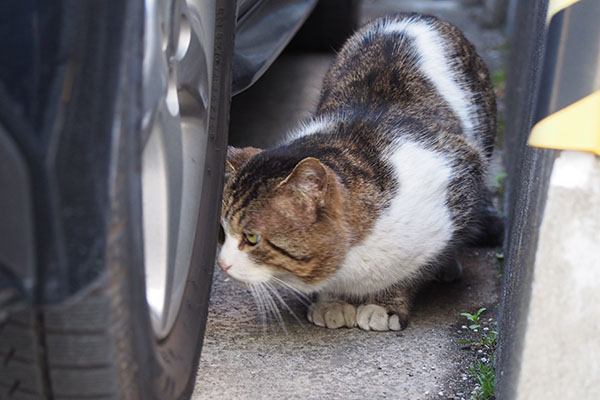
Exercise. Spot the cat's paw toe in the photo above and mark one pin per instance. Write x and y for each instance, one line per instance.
(332, 315)
(394, 323)
(372, 317)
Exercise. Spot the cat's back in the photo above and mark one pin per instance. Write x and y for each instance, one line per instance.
(414, 71)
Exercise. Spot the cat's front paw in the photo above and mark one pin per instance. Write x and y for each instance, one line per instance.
(332, 314)
(372, 317)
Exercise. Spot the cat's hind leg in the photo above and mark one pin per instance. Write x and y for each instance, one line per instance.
(489, 230)
(332, 312)
(450, 270)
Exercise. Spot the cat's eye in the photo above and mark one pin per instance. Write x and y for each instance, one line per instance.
(252, 238)
(221, 237)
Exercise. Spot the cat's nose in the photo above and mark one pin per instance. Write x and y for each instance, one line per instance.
(223, 266)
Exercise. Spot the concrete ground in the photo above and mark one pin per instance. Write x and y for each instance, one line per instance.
(244, 359)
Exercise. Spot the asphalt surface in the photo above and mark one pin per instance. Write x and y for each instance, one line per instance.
(246, 359)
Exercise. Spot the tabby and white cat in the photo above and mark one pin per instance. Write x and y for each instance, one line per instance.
(377, 191)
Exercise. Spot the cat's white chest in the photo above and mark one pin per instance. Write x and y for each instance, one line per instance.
(414, 229)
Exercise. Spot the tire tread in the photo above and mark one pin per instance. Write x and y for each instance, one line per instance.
(21, 375)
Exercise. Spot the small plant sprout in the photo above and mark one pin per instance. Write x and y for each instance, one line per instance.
(486, 336)
(500, 259)
(498, 183)
(474, 318)
(499, 178)
(499, 78)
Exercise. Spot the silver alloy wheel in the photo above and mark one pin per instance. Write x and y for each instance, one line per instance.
(177, 74)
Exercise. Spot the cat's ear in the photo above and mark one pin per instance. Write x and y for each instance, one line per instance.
(309, 177)
(236, 158)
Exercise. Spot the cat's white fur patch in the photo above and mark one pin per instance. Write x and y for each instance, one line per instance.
(321, 124)
(415, 228)
(242, 268)
(435, 65)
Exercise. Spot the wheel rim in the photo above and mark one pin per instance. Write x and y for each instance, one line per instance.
(177, 76)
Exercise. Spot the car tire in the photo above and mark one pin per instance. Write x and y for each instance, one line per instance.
(98, 341)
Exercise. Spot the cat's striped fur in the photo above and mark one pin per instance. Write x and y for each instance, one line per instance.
(380, 187)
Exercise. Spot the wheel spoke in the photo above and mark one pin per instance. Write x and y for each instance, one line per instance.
(193, 70)
(173, 152)
(195, 59)
(155, 219)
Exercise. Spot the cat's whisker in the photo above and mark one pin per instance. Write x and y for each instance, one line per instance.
(301, 297)
(282, 301)
(261, 307)
(269, 313)
(274, 307)
(266, 307)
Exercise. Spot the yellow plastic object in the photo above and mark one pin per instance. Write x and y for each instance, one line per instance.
(575, 127)
(555, 6)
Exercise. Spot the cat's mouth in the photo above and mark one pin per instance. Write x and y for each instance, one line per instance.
(229, 278)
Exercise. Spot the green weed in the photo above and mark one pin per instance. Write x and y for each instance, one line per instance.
(482, 370)
(500, 258)
(499, 178)
(500, 128)
(499, 78)
(503, 47)
(485, 375)
(497, 185)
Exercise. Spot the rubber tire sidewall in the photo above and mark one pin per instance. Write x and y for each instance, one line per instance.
(167, 368)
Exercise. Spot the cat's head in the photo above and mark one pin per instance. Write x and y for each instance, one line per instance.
(282, 216)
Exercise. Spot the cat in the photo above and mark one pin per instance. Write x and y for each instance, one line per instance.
(377, 191)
